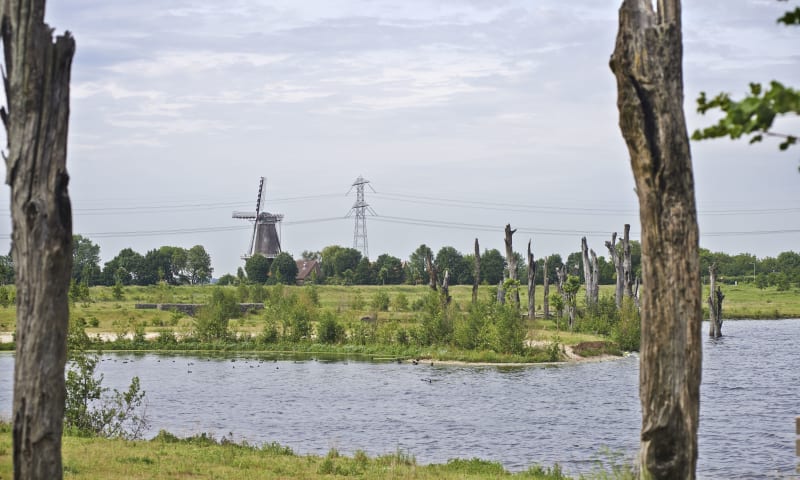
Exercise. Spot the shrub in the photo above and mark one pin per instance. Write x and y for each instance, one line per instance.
(400, 302)
(627, 333)
(329, 330)
(380, 301)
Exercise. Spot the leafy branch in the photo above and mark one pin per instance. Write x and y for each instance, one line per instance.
(754, 114)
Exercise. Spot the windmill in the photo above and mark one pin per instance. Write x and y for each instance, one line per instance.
(265, 239)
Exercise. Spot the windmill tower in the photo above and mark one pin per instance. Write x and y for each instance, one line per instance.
(265, 239)
(360, 208)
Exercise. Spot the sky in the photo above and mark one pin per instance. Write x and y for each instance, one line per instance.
(464, 115)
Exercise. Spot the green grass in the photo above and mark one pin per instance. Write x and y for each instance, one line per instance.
(202, 457)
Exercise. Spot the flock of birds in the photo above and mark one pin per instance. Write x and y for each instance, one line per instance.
(258, 364)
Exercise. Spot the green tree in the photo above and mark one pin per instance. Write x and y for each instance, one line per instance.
(284, 268)
(364, 274)
(416, 272)
(198, 265)
(127, 266)
(257, 268)
(85, 260)
(450, 259)
(389, 270)
(492, 265)
(755, 114)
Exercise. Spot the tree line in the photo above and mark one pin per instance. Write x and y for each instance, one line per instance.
(346, 266)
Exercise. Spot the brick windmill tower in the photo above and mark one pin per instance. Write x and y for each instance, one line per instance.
(265, 239)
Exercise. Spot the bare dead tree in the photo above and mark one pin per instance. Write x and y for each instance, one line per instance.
(36, 80)
(715, 298)
(511, 259)
(501, 293)
(616, 259)
(476, 277)
(587, 272)
(531, 284)
(595, 293)
(647, 63)
(446, 298)
(627, 263)
(433, 274)
(546, 289)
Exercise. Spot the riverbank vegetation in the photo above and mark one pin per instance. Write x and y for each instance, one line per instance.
(201, 456)
(392, 321)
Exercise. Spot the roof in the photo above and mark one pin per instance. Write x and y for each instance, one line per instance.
(305, 267)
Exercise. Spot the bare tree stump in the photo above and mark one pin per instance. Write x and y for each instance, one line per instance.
(587, 272)
(715, 298)
(546, 289)
(531, 284)
(616, 259)
(433, 275)
(511, 259)
(595, 278)
(647, 63)
(476, 277)
(627, 263)
(37, 90)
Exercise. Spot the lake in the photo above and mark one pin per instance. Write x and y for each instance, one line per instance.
(573, 414)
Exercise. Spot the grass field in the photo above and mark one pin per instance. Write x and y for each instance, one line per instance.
(200, 457)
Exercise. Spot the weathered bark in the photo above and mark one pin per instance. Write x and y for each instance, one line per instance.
(647, 65)
(37, 91)
(627, 263)
(561, 277)
(616, 259)
(476, 273)
(433, 275)
(587, 272)
(531, 284)
(511, 259)
(546, 290)
(715, 298)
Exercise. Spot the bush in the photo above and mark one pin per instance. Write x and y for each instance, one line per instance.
(627, 333)
(400, 302)
(329, 330)
(380, 301)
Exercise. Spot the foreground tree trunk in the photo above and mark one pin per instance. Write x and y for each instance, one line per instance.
(715, 297)
(531, 284)
(647, 64)
(546, 289)
(616, 259)
(476, 273)
(511, 259)
(37, 91)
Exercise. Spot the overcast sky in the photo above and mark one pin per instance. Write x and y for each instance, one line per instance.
(465, 115)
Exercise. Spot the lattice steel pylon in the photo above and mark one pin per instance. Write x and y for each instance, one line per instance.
(360, 209)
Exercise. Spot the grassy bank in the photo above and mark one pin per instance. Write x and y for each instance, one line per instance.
(202, 457)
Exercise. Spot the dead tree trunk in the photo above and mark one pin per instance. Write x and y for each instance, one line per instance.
(37, 91)
(627, 263)
(446, 288)
(587, 272)
(546, 289)
(531, 284)
(476, 277)
(595, 278)
(647, 63)
(433, 275)
(715, 297)
(616, 259)
(501, 293)
(511, 259)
